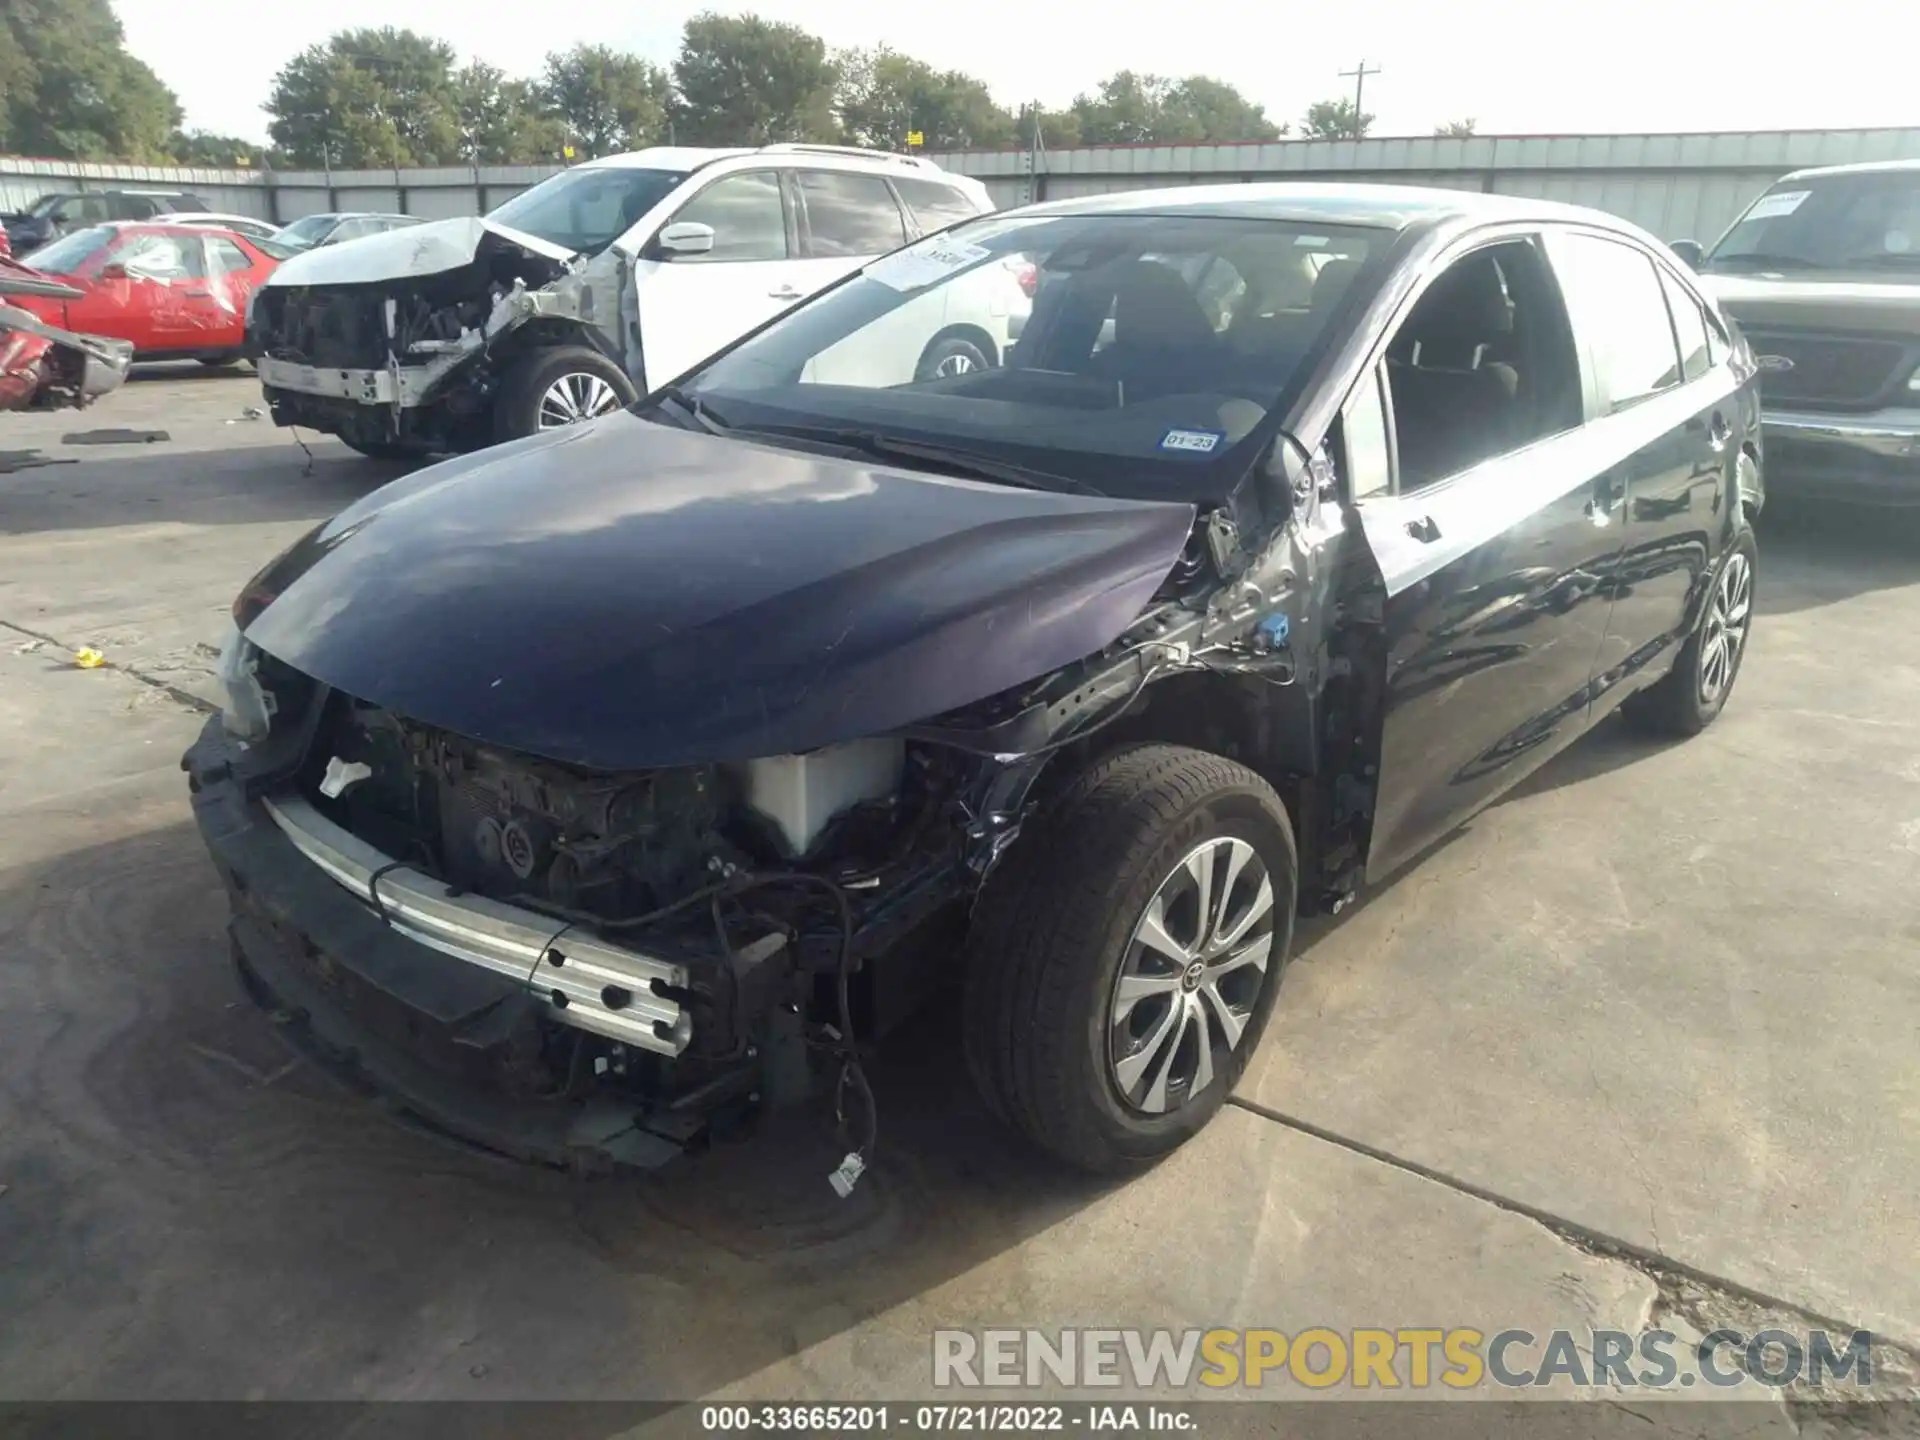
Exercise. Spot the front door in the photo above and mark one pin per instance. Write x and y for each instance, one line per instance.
(693, 305)
(1487, 544)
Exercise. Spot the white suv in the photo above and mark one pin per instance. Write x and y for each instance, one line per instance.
(596, 285)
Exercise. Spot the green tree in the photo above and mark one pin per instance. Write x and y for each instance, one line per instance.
(884, 95)
(1457, 129)
(502, 121)
(1136, 108)
(1058, 129)
(608, 101)
(1334, 120)
(70, 90)
(219, 152)
(747, 81)
(1203, 109)
(369, 97)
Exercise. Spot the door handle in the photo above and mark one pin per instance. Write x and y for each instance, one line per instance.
(199, 294)
(1423, 530)
(785, 292)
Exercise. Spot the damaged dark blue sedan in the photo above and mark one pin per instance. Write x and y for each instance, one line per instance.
(628, 780)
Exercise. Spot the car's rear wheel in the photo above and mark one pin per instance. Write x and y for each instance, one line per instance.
(551, 389)
(1125, 954)
(1686, 701)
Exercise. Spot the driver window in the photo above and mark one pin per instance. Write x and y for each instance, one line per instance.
(83, 209)
(1483, 365)
(748, 219)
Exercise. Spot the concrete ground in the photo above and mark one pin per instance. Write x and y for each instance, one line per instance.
(1637, 1045)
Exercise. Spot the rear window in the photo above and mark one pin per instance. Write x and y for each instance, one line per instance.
(849, 214)
(936, 206)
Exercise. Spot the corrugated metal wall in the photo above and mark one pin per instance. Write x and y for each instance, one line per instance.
(1674, 185)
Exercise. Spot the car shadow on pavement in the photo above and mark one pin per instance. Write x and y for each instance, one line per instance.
(269, 481)
(175, 1169)
(1812, 556)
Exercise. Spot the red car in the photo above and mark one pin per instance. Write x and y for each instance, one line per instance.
(175, 291)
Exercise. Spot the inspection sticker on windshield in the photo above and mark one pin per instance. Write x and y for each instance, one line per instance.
(925, 263)
(1193, 442)
(1768, 206)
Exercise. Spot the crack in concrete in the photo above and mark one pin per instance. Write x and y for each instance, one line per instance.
(1704, 1300)
(173, 692)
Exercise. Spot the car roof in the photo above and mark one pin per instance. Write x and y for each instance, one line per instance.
(1859, 167)
(691, 157)
(1391, 207)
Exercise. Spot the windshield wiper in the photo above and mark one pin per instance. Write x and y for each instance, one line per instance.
(694, 408)
(960, 461)
(1762, 259)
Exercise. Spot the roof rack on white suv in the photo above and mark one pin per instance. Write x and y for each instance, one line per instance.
(805, 148)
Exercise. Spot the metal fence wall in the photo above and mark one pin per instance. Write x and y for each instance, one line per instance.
(1675, 185)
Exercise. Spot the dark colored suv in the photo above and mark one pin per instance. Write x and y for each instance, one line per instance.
(1823, 275)
(53, 215)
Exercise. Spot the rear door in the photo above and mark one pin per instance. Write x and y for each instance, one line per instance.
(232, 275)
(692, 305)
(846, 218)
(1481, 527)
(1663, 410)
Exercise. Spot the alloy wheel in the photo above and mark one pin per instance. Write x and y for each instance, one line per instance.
(1726, 632)
(1191, 976)
(959, 363)
(575, 397)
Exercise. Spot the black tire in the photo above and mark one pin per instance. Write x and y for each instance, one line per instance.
(1679, 705)
(1055, 925)
(516, 408)
(947, 349)
(381, 449)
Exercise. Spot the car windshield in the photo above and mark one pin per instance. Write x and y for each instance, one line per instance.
(44, 206)
(66, 254)
(1122, 352)
(273, 247)
(307, 231)
(1866, 220)
(587, 209)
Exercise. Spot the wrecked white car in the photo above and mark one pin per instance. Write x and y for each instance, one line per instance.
(598, 284)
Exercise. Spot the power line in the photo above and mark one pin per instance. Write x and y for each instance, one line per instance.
(1359, 77)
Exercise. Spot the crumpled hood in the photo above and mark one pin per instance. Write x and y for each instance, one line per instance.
(625, 595)
(428, 249)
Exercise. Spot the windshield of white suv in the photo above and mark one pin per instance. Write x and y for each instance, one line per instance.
(1866, 220)
(587, 209)
(1123, 352)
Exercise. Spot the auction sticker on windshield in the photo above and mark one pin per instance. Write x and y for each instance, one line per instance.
(925, 263)
(1768, 206)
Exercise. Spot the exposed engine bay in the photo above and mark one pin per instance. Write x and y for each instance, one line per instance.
(414, 360)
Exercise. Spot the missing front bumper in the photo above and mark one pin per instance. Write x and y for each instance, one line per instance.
(443, 1037)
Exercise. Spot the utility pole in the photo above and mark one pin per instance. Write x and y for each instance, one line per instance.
(1359, 77)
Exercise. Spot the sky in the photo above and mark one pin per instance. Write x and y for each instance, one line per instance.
(1618, 65)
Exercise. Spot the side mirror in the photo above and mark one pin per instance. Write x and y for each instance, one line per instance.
(114, 270)
(1689, 252)
(686, 237)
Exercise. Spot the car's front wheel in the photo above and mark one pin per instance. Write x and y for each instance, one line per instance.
(549, 389)
(1125, 954)
(1686, 701)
